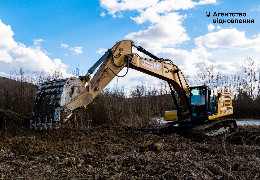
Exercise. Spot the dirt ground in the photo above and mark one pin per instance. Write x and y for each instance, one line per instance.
(117, 153)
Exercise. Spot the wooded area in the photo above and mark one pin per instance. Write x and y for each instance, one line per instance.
(137, 106)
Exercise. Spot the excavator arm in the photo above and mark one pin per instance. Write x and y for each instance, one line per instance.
(56, 100)
(121, 56)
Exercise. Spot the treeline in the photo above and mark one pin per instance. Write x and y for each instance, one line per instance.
(112, 106)
(141, 109)
(144, 106)
(115, 105)
(17, 96)
(246, 107)
(17, 93)
(137, 106)
(245, 80)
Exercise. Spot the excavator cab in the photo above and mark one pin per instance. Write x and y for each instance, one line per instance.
(203, 103)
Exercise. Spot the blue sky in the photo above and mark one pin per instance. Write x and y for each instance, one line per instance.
(65, 34)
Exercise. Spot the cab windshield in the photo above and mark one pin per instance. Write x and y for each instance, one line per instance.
(198, 96)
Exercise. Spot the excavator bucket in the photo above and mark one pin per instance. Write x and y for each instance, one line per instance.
(55, 101)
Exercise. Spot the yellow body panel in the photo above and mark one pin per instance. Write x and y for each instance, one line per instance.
(224, 106)
(171, 115)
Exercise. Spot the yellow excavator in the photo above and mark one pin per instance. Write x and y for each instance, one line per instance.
(200, 108)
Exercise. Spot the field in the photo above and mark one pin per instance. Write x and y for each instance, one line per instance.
(124, 153)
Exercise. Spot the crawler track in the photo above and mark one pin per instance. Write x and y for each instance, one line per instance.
(211, 128)
(216, 127)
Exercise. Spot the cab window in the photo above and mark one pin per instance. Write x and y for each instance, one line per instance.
(198, 96)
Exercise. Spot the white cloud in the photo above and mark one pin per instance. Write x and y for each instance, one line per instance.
(218, 27)
(151, 6)
(229, 38)
(5, 57)
(76, 50)
(114, 6)
(14, 55)
(229, 47)
(186, 60)
(165, 27)
(64, 45)
(211, 27)
(103, 14)
(163, 7)
(101, 51)
(162, 33)
(256, 8)
(203, 2)
(6, 41)
(37, 42)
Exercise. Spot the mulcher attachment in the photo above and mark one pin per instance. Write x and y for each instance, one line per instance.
(52, 103)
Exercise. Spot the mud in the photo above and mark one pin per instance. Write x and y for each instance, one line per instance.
(124, 153)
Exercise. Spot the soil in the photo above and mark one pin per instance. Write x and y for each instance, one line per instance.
(124, 153)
